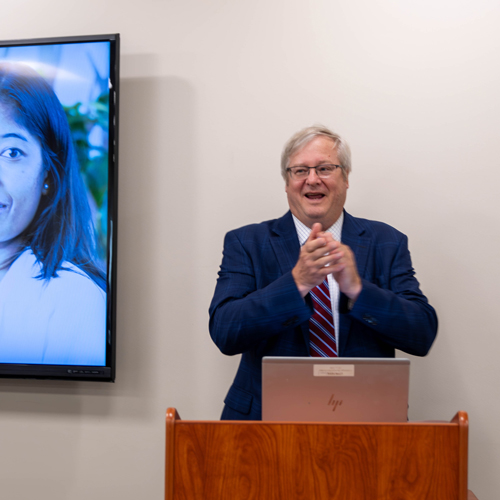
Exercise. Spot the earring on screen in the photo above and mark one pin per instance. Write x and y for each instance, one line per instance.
(45, 189)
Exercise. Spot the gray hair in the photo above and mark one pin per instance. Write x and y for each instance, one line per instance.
(306, 135)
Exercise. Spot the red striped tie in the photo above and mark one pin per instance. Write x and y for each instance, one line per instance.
(322, 342)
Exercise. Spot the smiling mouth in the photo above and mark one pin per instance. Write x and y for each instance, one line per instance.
(314, 196)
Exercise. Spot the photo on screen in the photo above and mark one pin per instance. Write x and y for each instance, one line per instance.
(58, 131)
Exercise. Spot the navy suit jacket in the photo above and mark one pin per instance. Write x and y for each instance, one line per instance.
(257, 309)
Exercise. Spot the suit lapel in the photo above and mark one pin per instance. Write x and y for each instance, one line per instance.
(285, 242)
(286, 246)
(355, 237)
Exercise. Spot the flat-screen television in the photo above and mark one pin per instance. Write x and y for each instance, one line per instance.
(58, 207)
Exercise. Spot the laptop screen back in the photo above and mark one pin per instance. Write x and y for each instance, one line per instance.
(335, 389)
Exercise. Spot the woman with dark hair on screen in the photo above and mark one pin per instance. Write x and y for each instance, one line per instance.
(52, 294)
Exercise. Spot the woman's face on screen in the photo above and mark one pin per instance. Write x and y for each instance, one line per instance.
(21, 178)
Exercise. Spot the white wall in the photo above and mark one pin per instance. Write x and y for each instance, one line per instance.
(210, 92)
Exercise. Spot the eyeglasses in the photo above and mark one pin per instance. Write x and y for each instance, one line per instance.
(323, 171)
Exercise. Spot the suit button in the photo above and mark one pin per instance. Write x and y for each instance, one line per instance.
(291, 321)
(370, 319)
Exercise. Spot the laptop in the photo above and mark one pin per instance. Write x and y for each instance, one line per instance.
(301, 389)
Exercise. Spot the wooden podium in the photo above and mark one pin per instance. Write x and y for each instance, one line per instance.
(233, 460)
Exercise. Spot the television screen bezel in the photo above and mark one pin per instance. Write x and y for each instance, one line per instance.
(105, 373)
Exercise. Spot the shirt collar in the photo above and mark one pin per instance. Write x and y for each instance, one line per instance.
(303, 231)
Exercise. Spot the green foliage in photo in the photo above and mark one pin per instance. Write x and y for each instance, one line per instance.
(93, 160)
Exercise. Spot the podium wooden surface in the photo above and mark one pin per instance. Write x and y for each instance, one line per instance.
(233, 460)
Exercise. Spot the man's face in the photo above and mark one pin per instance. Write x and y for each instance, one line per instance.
(314, 199)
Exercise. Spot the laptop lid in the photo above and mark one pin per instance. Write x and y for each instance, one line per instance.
(335, 389)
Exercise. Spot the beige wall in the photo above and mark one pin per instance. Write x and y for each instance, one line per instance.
(210, 92)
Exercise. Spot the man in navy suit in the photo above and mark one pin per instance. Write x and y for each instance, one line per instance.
(262, 304)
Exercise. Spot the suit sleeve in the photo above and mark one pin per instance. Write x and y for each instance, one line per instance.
(253, 300)
(393, 307)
